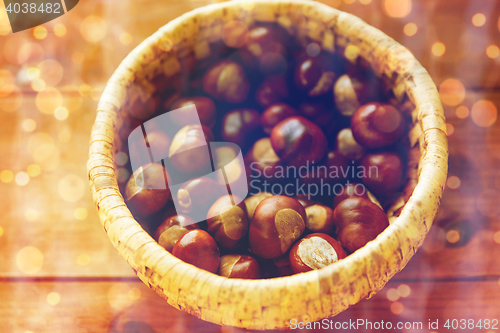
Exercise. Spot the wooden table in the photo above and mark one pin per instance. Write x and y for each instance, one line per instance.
(58, 270)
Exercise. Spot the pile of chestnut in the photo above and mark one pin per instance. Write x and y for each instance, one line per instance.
(285, 103)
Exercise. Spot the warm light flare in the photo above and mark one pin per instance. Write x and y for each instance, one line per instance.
(492, 51)
(410, 29)
(452, 92)
(438, 49)
(397, 8)
(450, 129)
(40, 32)
(462, 112)
(60, 30)
(484, 113)
(397, 308)
(479, 19)
(453, 182)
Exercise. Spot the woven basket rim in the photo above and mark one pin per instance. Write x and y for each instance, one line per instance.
(161, 270)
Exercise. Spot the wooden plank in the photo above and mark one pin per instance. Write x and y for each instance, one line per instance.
(127, 306)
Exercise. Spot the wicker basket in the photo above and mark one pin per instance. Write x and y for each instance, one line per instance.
(311, 296)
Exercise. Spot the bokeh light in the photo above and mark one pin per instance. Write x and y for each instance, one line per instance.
(484, 113)
(121, 158)
(80, 213)
(478, 19)
(404, 290)
(93, 28)
(83, 259)
(349, 1)
(492, 51)
(453, 182)
(40, 32)
(410, 29)
(48, 100)
(496, 237)
(31, 214)
(462, 112)
(61, 113)
(38, 85)
(438, 49)
(365, 2)
(392, 295)
(6, 176)
(85, 90)
(397, 8)
(452, 92)
(60, 30)
(397, 308)
(452, 236)
(450, 129)
(313, 49)
(34, 170)
(28, 125)
(22, 178)
(126, 38)
(64, 135)
(30, 53)
(71, 188)
(53, 298)
(1, 231)
(29, 260)
(134, 294)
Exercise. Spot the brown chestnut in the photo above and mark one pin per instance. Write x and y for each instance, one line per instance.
(383, 172)
(350, 190)
(350, 92)
(376, 125)
(241, 127)
(147, 190)
(189, 150)
(358, 221)
(227, 157)
(282, 266)
(315, 251)
(172, 229)
(347, 145)
(253, 201)
(272, 90)
(320, 219)
(262, 159)
(204, 106)
(198, 248)
(198, 194)
(227, 81)
(278, 221)
(304, 200)
(237, 266)
(314, 76)
(274, 114)
(156, 140)
(227, 221)
(298, 142)
(318, 113)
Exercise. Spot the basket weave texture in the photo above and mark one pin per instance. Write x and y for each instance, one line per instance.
(311, 296)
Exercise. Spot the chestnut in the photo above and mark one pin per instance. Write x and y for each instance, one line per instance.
(262, 159)
(253, 201)
(278, 221)
(227, 221)
(304, 200)
(272, 90)
(298, 142)
(383, 172)
(348, 147)
(267, 45)
(156, 140)
(320, 219)
(237, 266)
(350, 190)
(318, 113)
(376, 125)
(188, 152)
(173, 228)
(274, 114)
(314, 76)
(350, 92)
(315, 251)
(198, 248)
(147, 190)
(358, 221)
(227, 157)
(337, 165)
(198, 195)
(241, 127)
(226, 81)
(282, 266)
(204, 106)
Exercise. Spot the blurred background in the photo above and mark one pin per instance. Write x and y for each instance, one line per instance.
(60, 273)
